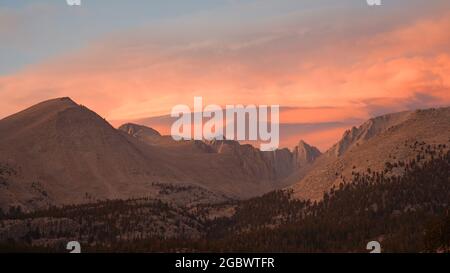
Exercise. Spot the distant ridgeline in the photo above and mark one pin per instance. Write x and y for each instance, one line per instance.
(406, 213)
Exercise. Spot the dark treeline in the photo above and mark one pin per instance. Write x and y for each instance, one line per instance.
(102, 223)
(406, 213)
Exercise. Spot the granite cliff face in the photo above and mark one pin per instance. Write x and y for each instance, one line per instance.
(388, 138)
(368, 130)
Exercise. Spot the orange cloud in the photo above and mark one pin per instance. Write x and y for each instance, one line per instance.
(338, 80)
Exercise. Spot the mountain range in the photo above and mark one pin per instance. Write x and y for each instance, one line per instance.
(59, 152)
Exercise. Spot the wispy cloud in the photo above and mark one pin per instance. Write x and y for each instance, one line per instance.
(328, 71)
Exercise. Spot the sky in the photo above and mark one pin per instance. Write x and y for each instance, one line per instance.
(329, 64)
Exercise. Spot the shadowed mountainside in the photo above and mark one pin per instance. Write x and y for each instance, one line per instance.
(58, 152)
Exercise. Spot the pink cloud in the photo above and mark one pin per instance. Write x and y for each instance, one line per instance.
(126, 81)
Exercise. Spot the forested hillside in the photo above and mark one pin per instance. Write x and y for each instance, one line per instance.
(406, 213)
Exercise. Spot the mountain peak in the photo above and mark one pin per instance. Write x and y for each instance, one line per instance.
(37, 114)
(48, 106)
(305, 153)
(138, 130)
(53, 105)
(62, 100)
(302, 143)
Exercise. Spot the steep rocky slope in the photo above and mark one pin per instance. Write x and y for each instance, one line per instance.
(389, 138)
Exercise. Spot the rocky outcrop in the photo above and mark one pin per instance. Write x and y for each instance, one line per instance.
(274, 165)
(304, 154)
(136, 130)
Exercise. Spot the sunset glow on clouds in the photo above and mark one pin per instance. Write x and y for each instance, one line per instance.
(329, 69)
